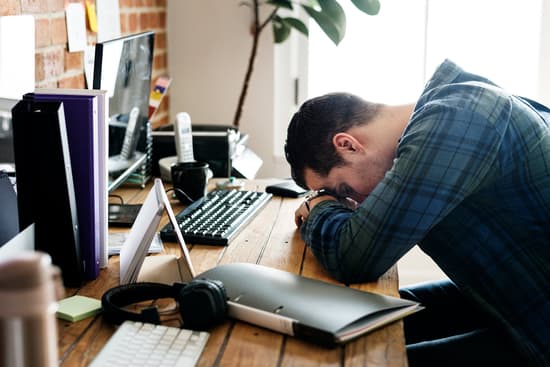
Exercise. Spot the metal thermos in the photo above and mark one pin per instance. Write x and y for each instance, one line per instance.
(29, 285)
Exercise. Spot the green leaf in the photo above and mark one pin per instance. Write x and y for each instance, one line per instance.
(296, 24)
(287, 4)
(371, 7)
(281, 30)
(331, 21)
(335, 12)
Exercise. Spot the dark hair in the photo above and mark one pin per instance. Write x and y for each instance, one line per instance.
(311, 129)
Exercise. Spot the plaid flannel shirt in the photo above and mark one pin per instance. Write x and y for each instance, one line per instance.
(470, 185)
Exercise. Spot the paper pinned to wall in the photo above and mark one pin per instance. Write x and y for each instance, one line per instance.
(89, 57)
(17, 66)
(76, 26)
(108, 20)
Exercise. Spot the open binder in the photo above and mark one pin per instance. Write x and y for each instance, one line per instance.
(310, 309)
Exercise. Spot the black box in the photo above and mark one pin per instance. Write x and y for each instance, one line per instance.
(215, 144)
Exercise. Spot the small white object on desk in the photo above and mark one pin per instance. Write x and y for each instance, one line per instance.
(230, 184)
(117, 239)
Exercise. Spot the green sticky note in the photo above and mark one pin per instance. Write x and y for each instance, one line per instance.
(76, 308)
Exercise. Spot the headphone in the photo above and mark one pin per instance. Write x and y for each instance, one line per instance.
(202, 302)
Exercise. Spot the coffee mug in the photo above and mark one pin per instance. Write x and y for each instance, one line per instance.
(189, 180)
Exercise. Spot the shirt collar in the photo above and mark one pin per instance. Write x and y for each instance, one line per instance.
(445, 73)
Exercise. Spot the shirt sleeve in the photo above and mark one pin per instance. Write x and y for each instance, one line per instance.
(446, 153)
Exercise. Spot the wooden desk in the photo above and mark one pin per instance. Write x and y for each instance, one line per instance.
(271, 239)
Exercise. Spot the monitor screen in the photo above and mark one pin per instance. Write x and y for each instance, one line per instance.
(7, 159)
(123, 67)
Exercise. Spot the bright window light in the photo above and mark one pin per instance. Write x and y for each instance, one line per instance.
(388, 57)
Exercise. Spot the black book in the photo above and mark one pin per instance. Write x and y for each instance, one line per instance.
(45, 188)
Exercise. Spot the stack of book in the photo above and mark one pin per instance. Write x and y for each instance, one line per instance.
(85, 115)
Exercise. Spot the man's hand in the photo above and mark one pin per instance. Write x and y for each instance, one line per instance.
(301, 214)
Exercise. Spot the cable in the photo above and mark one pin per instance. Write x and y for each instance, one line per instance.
(181, 192)
(118, 197)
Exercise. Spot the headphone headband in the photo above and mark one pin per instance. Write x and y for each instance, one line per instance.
(116, 298)
(202, 302)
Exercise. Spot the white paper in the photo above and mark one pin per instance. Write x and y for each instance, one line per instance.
(17, 45)
(22, 242)
(76, 26)
(108, 20)
(89, 57)
(117, 239)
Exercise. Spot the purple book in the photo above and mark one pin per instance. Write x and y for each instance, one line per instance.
(81, 118)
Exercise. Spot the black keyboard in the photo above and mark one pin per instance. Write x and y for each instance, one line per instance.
(217, 218)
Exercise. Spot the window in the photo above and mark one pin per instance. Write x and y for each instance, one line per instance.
(388, 58)
(381, 58)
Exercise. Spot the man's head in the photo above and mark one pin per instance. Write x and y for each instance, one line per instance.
(310, 136)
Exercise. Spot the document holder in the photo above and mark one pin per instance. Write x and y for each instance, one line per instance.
(135, 266)
(310, 309)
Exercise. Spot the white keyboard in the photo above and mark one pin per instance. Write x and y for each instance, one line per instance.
(141, 344)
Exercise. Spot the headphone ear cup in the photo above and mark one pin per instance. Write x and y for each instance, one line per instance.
(202, 303)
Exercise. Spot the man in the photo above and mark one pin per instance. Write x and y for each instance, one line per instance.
(465, 174)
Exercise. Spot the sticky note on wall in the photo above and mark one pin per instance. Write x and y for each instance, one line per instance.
(92, 18)
(17, 46)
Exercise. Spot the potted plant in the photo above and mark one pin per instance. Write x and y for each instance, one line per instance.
(328, 14)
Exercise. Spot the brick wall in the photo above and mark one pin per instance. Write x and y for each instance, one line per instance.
(56, 67)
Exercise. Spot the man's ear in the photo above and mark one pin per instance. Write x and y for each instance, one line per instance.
(346, 143)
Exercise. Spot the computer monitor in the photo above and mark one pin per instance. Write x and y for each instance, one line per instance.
(123, 67)
(7, 159)
(9, 223)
